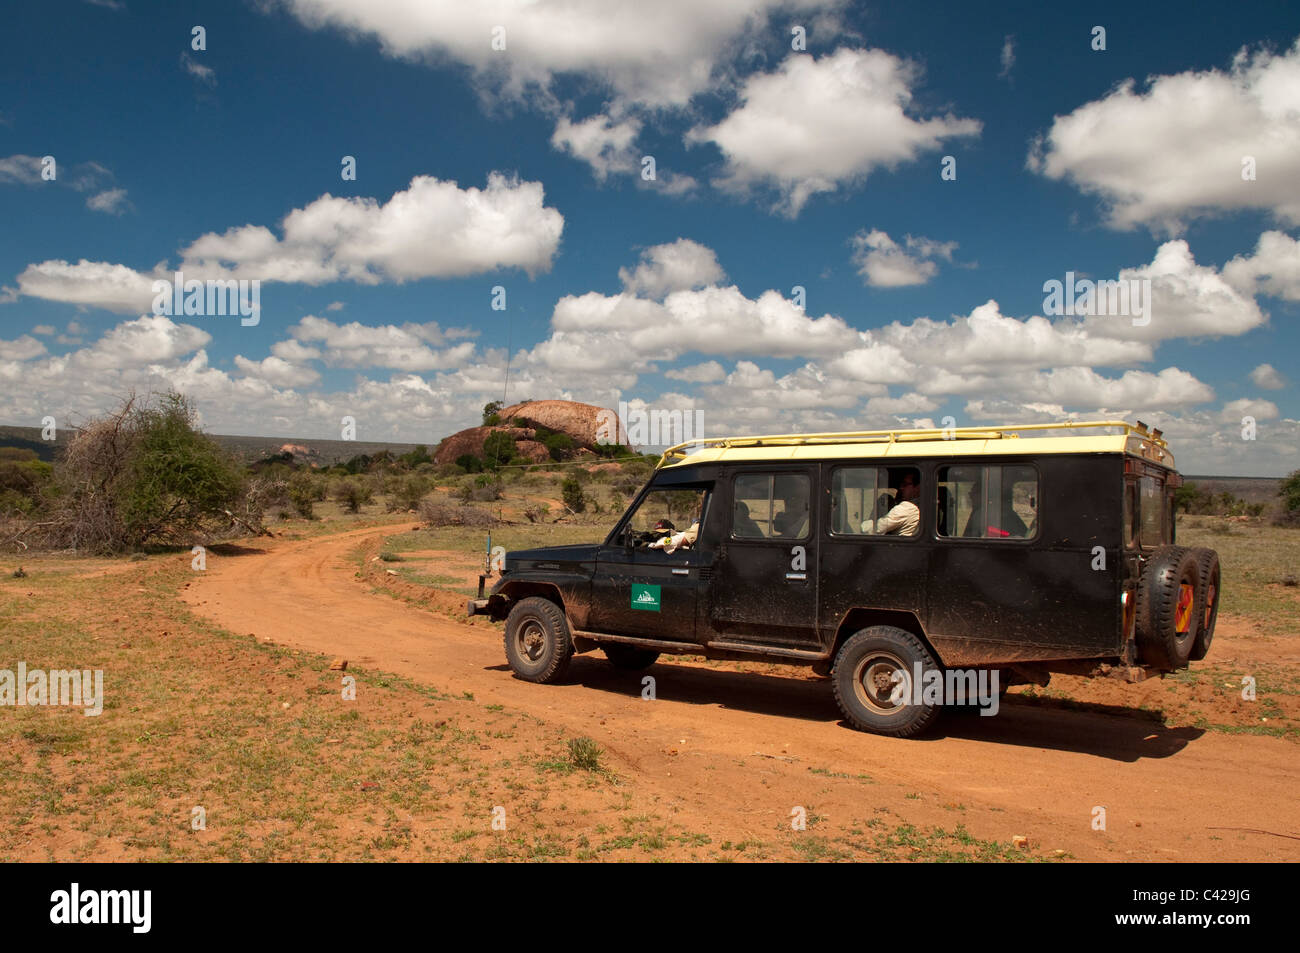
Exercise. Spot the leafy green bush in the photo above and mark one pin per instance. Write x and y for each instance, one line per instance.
(572, 494)
(304, 492)
(352, 494)
(176, 475)
(1290, 493)
(469, 463)
(558, 445)
(142, 474)
(410, 490)
(26, 481)
(498, 448)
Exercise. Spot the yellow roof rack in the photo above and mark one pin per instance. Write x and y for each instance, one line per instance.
(1151, 439)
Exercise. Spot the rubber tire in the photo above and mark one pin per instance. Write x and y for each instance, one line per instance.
(1159, 644)
(557, 643)
(1211, 581)
(629, 658)
(911, 719)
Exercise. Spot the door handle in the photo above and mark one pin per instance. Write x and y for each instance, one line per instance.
(681, 572)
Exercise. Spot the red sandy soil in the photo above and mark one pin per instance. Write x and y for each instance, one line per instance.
(741, 740)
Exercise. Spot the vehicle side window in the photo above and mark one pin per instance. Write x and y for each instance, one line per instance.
(988, 502)
(875, 501)
(1130, 515)
(770, 506)
(1152, 504)
(667, 515)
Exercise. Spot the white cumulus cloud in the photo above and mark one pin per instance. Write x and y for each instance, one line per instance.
(1174, 150)
(814, 125)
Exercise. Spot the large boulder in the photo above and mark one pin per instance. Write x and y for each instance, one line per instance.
(471, 441)
(585, 423)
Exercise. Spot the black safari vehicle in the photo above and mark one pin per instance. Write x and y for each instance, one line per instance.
(870, 554)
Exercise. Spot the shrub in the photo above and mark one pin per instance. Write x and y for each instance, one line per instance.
(303, 493)
(1290, 493)
(440, 514)
(409, 491)
(536, 512)
(265, 494)
(626, 486)
(558, 445)
(571, 492)
(498, 448)
(417, 457)
(26, 481)
(352, 494)
(142, 474)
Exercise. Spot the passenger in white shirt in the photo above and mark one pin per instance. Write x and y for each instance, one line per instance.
(904, 518)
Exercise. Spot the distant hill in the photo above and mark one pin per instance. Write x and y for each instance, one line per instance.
(29, 438)
(1251, 489)
(324, 453)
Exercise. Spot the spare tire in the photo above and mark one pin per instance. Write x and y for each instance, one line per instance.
(1207, 611)
(1166, 608)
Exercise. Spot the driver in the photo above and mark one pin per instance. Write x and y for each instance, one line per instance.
(674, 541)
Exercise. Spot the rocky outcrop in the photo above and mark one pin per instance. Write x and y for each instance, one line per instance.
(471, 441)
(585, 423)
(582, 422)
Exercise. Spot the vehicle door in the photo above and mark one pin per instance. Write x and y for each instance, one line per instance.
(640, 587)
(764, 586)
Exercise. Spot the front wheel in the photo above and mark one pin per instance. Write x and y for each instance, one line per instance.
(538, 643)
(876, 685)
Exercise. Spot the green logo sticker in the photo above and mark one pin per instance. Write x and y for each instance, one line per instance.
(645, 597)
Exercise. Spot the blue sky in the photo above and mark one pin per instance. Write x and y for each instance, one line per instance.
(522, 168)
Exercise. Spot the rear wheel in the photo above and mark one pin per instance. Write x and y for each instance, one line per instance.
(1207, 564)
(629, 657)
(1167, 604)
(873, 680)
(538, 643)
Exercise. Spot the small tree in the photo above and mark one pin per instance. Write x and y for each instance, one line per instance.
(498, 448)
(558, 445)
(141, 474)
(1185, 496)
(491, 413)
(1290, 493)
(469, 463)
(303, 494)
(352, 493)
(571, 491)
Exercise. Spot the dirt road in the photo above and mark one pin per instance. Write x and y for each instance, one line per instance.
(731, 742)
